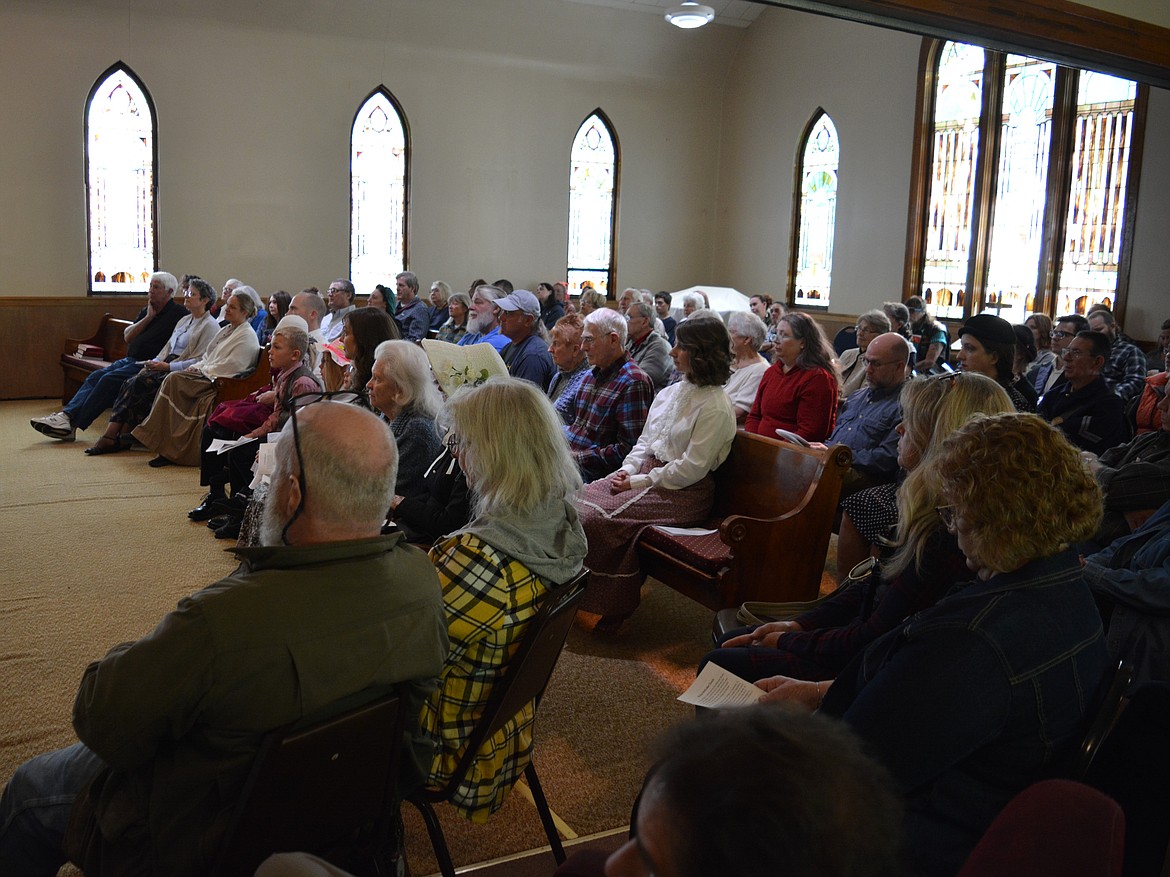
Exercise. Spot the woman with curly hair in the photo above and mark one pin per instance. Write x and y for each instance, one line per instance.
(798, 393)
(819, 643)
(986, 692)
(666, 477)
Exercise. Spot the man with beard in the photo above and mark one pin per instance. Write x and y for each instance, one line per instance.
(170, 725)
(483, 324)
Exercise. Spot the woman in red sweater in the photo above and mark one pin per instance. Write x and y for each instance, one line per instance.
(798, 392)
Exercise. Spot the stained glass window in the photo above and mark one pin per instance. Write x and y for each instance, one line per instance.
(593, 188)
(1022, 184)
(120, 160)
(1102, 140)
(378, 167)
(820, 156)
(995, 231)
(955, 146)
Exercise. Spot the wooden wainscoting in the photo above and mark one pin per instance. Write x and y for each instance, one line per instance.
(31, 332)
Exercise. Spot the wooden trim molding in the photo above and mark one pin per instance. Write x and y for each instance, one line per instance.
(1069, 33)
(31, 332)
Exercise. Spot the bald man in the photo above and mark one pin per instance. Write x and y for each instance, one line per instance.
(170, 724)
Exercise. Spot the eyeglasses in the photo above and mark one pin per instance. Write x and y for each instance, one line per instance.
(587, 340)
(946, 514)
(876, 363)
(948, 377)
(1073, 353)
(452, 442)
(1056, 333)
(296, 402)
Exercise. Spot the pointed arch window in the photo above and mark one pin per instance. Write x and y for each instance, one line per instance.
(594, 169)
(1025, 182)
(379, 169)
(121, 161)
(816, 213)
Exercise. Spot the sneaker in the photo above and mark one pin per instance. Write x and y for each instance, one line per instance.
(57, 426)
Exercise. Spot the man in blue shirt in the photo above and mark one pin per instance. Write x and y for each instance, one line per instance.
(526, 355)
(483, 324)
(867, 422)
(412, 316)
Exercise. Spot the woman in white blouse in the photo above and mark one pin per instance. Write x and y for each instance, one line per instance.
(747, 365)
(666, 478)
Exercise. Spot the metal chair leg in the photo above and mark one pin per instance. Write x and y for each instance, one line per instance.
(438, 841)
(550, 829)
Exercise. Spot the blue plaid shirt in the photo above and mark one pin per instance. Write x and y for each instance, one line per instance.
(606, 417)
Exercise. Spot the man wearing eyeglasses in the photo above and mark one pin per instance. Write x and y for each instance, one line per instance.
(867, 422)
(1066, 329)
(340, 301)
(170, 725)
(1082, 406)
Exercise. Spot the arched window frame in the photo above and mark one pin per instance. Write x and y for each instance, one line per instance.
(611, 268)
(1059, 175)
(138, 285)
(821, 301)
(384, 92)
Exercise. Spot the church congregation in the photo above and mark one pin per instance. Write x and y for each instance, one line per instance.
(413, 467)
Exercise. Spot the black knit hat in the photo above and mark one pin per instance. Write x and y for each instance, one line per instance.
(989, 328)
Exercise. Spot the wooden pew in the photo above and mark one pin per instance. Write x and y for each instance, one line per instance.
(109, 337)
(774, 508)
(228, 389)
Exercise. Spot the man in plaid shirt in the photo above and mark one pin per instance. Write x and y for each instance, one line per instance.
(608, 413)
(1125, 372)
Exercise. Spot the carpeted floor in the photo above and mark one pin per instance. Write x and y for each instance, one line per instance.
(97, 550)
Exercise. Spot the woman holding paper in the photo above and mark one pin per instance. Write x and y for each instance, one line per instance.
(666, 477)
(988, 691)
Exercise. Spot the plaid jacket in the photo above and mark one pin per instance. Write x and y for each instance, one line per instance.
(606, 417)
(489, 599)
(1125, 372)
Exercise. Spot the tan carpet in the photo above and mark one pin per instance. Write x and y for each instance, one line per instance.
(97, 550)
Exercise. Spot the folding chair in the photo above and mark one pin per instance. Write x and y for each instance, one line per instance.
(524, 680)
(326, 785)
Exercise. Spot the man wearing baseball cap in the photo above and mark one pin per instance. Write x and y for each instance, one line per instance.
(526, 355)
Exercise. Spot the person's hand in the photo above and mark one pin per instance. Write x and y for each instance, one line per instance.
(192, 369)
(1137, 517)
(267, 398)
(818, 446)
(767, 635)
(155, 366)
(394, 502)
(797, 692)
(619, 481)
(1090, 460)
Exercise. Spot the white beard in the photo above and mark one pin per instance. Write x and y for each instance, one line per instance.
(482, 324)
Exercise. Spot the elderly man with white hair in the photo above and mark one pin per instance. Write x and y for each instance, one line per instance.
(609, 411)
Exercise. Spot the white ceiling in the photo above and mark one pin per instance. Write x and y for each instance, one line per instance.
(737, 13)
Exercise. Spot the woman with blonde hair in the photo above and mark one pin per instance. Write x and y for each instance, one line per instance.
(988, 691)
(590, 301)
(523, 539)
(926, 561)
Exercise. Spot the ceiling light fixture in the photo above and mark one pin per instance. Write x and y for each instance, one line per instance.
(690, 14)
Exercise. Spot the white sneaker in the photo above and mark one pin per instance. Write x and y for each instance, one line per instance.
(56, 426)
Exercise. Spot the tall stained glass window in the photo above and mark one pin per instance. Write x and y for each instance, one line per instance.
(121, 157)
(593, 192)
(379, 168)
(817, 175)
(1022, 184)
(1025, 179)
(955, 147)
(1102, 141)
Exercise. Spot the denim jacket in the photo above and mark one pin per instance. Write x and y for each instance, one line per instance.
(977, 697)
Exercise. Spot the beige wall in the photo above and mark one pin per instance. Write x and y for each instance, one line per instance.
(865, 78)
(255, 109)
(255, 103)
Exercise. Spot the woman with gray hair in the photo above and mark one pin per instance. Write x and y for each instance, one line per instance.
(186, 397)
(747, 365)
(402, 390)
(852, 361)
(524, 539)
(455, 327)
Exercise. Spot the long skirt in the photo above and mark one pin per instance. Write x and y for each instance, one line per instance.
(176, 421)
(614, 521)
(137, 396)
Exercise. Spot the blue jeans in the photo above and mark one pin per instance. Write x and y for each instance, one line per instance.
(35, 807)
(99, 391)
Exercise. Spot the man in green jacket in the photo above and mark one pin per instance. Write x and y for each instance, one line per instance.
(169, 725)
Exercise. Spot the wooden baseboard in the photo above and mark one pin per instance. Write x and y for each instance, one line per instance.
(31, 332)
